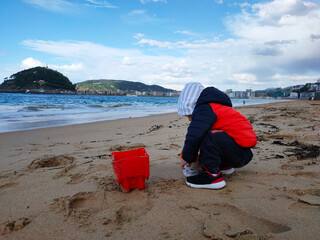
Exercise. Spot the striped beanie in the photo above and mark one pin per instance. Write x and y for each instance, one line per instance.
(188, 98)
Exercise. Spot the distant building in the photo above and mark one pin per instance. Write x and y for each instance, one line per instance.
(249, 93)
(231, 94)
(293, 95)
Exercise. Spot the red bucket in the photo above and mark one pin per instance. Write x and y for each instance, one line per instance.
(131, 168)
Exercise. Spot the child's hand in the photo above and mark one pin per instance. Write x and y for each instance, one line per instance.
(183, 162)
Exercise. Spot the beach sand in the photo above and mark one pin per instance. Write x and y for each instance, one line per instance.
(58, 183)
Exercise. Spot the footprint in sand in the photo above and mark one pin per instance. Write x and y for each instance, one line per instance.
(104, 208)
(310, 199)
(9, 226)
(73, 204)
(307, 196)
(51, 161)
(291, 166)
(82, 174)
(64, 171)
(312, 175)
(174, 146)
(238, 223)
(123, 212)
(107, 184)
(8, 185)
(76, 178)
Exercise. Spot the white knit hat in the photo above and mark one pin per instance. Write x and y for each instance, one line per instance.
(188, 98)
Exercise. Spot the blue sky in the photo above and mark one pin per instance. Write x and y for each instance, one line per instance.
(221, 43)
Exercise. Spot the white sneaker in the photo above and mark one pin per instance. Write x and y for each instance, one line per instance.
(192, 170)
(227, 170)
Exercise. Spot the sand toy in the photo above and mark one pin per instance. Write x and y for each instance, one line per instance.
(131, 168)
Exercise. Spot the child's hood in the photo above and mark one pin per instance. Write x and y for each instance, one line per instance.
(214, 95)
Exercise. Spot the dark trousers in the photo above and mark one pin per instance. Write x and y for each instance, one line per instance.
(218, 150)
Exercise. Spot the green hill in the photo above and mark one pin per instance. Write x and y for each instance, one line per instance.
(37, 78)
(113, 85)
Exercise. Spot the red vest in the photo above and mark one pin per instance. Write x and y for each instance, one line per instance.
(234, 124)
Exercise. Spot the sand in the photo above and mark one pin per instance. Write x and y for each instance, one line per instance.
(58, 183)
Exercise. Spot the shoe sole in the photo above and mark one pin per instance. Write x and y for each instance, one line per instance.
(218, 185)
(190, 175)
(228, 172)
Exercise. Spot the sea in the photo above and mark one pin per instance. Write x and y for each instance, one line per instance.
(31, 111)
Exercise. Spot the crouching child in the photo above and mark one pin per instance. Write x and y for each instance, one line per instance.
(218, 137)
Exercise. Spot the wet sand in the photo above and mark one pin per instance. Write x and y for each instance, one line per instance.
(58, 183)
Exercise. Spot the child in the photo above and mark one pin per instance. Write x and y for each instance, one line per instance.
(223, 136)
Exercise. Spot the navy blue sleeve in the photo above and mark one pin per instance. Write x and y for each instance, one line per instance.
(203, 118)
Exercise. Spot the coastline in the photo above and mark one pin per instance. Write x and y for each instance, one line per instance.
(25, 112)
(58, 182)
(55, 123)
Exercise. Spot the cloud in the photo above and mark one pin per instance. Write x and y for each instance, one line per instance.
(68, 68)
(276, 42)
(275, 21)
(279, 34)
(301, 66)
(219, 1)
(100, 4)
(243, 5)
(141, 16)
(245, 78)
(138, 17)
(96, 61)
(137, 12)
(314, 37)
(161, 44)
(76, 49)
(139, 35)
(303, 78)
(277, 37)
(282, 12)
(185, 32)
(267, 51)
(147, 1)
(52, 5)
(283, 80)
(216, 66)
(196, 44)
(64, 6)
(30, 63)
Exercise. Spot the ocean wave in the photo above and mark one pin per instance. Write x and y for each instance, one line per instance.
(31, 109)
(43, 107)
(119, 105)
(96, 106)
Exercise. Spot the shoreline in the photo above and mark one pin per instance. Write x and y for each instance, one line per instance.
(58, 183)
(24, 126)
(89, 124)
(81, 123)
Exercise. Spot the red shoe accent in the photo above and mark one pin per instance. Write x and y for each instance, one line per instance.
(226, 168)
(218, 180)
(216, 175)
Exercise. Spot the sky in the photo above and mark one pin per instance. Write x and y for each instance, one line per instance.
(229, 44)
